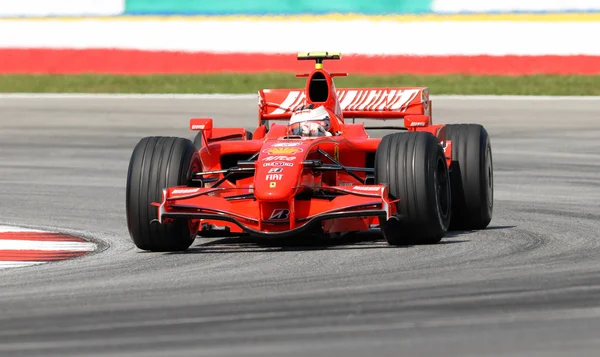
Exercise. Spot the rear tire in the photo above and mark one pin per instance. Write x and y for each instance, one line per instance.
(157, 163)
(414, 167)
(471, 176)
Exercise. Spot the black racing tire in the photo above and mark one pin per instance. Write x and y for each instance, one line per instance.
(157, 163)
(414, 167)
(471, 176)
(199, 144)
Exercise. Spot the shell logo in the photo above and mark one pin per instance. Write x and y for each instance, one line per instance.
(282, 151)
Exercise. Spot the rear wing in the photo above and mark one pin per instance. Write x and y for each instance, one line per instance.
(373, 103)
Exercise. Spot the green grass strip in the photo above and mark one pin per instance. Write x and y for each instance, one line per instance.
(250, 83)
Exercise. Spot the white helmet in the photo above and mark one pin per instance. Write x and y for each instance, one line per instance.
(310, 122)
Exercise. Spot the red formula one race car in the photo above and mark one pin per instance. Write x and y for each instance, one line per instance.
(310, 169)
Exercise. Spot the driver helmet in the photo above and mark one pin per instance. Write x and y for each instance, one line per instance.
(310, 122)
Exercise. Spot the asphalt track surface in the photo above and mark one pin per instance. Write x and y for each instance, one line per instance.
(529, 285)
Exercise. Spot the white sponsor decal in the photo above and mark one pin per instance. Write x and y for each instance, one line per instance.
(290, 102)
(280, 214)
(405, 99)
(276, 170)
(358, 100)
(288, 164)
(198, 127)
(185, 190)
(279, 158)
(417, 123)
(367, 188)
(274, 177)
(284, 145)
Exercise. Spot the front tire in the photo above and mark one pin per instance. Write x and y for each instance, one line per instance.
(157, 163)
(414, 167)
(471, 176)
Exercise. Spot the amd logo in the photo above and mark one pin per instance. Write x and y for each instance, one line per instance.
(280, 214)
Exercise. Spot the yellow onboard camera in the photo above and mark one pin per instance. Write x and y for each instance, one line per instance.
(319, 57)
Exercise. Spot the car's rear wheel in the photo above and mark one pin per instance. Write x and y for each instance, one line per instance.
(157, 163)
(471, 176)
(414, 167)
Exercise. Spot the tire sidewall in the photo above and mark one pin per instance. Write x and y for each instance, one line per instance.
(487, 177)
(443, 210)
(471, 176)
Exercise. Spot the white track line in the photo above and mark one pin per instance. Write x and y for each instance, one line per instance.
(17, 264)
(12, 229)
(30, 96)
(10, 244)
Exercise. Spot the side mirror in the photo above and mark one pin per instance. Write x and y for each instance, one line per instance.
(202, 124)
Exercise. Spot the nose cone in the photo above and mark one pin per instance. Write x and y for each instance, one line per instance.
(278, 169)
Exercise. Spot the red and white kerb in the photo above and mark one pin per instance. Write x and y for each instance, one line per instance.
(20, 247)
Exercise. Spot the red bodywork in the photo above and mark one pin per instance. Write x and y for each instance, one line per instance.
(288, 185)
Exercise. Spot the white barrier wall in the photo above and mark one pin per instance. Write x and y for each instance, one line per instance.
(35, 8)
(483, 6)
(426, 38)
(41, 8)
(98, 39)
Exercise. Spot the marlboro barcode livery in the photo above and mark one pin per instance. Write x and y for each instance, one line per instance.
(351, 100)
(310, 169)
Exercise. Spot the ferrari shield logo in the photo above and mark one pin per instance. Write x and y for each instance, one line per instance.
(272, 184)
(282, 151)
(336, 153)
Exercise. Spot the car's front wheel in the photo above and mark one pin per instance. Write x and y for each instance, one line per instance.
(157, 163)
(414, 167)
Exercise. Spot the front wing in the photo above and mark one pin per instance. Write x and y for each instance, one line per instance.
(324, 206)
